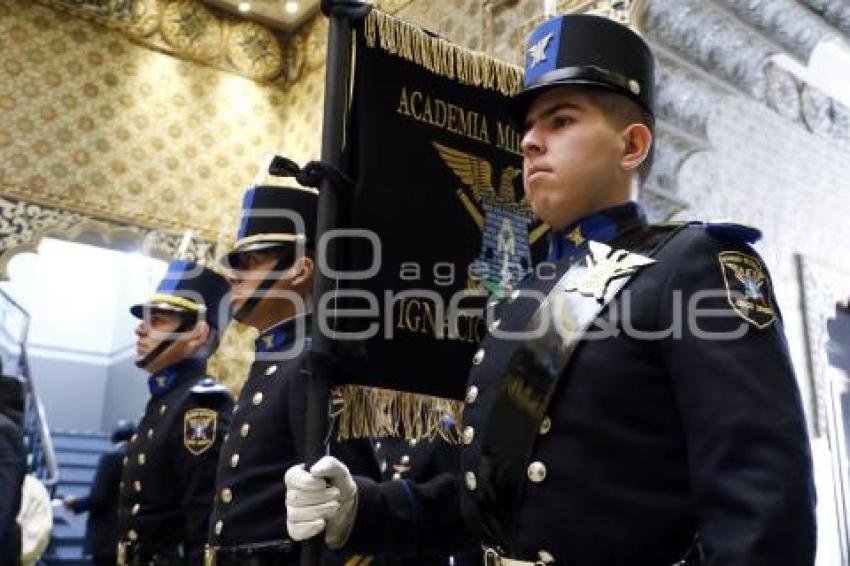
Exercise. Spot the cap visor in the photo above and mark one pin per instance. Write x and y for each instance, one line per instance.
(518, 105)
(228, 259)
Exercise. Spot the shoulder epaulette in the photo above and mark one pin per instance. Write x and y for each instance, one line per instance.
(209, 386)
(734, 231)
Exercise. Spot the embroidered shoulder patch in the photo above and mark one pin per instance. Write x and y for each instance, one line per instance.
(199, 430)
(747, 288)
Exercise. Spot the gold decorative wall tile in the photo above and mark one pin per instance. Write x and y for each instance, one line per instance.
(192, 29)
(91, 122)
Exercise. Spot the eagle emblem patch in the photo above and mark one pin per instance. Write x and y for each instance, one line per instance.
(604, 265)
(199, 430)
(747, 288)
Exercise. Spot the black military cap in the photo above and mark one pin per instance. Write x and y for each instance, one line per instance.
(190, 288)
(275, 216)
(581, 49)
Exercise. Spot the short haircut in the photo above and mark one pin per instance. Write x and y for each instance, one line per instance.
(621, 112)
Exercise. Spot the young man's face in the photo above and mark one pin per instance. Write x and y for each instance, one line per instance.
(571, 157)
(250, 269)
(152, 330)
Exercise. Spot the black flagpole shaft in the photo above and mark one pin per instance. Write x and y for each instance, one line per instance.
(337, 75)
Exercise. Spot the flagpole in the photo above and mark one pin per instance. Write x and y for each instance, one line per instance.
(341, 13)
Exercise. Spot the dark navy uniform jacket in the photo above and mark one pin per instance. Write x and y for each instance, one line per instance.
(12, 471)
(169, 472)
(646, 441)
(101, 504)
(265, 440)
(419, 461)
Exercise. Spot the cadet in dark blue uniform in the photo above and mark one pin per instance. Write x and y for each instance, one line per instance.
(655, 417)
(420, 461)
(169, 472)
(13, 467)
(101, 503)
(272, 278)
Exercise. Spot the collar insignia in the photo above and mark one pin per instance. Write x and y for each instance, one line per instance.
(576, 237)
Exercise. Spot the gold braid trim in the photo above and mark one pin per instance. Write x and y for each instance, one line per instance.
(439, 56)
(363, 412)
(176, 301)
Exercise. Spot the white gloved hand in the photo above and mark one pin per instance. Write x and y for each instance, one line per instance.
(323, 498)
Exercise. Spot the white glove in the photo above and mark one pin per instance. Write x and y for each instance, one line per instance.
(323, 498)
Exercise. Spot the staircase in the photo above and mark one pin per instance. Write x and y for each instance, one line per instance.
(77, 454)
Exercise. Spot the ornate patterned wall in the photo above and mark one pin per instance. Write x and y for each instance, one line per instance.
(91, 122)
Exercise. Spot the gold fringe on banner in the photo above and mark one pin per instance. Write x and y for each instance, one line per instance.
(364, 412)
(439, 56)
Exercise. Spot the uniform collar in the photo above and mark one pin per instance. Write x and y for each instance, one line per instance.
(600, 226)
(167, 379)
(279, 336)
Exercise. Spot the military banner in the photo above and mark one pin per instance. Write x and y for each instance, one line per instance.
(438, 179)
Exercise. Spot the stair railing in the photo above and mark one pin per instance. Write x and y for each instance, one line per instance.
(41, 457)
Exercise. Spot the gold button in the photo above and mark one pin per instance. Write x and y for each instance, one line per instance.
(258, 398)
(219, 526)
(412, 442)
(537, 472)
(546, 425)
(479, 356)
(270, 370)
(235, 408)
(150, 433)
(468, 435)
(142, 459)
(234, 460)
(405, 459)
(226, 495)
(634, 86)
(396, 476)
(471, 481)
(135, 509)
(137, 485)
(246, 428)
(134, 437)
(132, 535)
(471, 394)
(162, 409)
